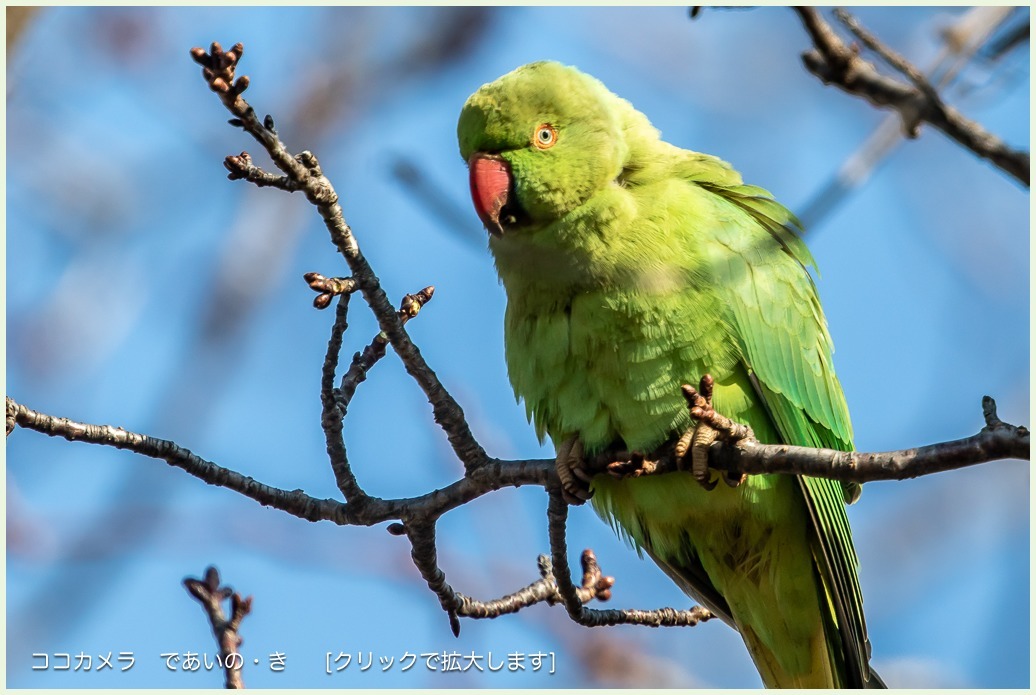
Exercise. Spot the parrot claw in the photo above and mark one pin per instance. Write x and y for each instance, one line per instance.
(711, 427)
(733, 480)
(576, 473)
(570, 466)
(580, 472)
(632, 466)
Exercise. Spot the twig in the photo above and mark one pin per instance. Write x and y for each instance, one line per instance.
(241, 167)
(544, 590)
(495, 475)
(295, 502)
(335, 402)
(423, 553)
(331, 412)
(835, 63)
(219, 72)
(328, 288)
(211, 595)
(363, 361)
(557, 516)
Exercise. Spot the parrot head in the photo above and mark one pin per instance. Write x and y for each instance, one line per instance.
(539, 142)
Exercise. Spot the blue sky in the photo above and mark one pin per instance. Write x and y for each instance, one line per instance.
(147, 291)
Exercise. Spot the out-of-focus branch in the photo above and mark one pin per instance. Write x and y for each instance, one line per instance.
(835, 62)
(211, 596)
(18, 18)
(961, 41)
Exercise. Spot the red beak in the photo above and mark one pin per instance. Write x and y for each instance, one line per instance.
(490, 178)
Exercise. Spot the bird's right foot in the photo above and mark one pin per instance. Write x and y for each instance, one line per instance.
(710, 427)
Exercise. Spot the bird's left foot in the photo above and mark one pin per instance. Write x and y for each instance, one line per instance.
(576, 471)
(710, 427)
(630, 465)
(570, 465)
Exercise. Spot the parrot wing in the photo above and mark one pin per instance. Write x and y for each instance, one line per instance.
(787, 351)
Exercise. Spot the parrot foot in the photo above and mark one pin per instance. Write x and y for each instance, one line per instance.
(570, 467)
(632, 466)
(711, 427)
(576, 471)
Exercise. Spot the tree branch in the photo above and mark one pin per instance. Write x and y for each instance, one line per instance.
(304, 170)
(595, 586)
(295, 502)
(332, 412)
(557, 517)
(997, 440)
(735, 452)
(836, 63)
(545, 590)
(747, 456)
(211, 595)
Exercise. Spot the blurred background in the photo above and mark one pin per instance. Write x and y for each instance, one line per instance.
(145, 290)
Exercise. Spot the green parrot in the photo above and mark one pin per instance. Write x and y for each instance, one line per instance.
(631, 267)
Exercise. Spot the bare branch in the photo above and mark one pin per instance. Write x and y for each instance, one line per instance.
(897, 61)
(295, 502)
(335, 402)
(738, 453)
(304, 170)
(328, 288)
(423, 552)
(241, 167)
(365, 511)
(595, 586)
(836, 63)
(731, 448)
(332, 412)
(557, 517)
(997, 440)
(544, 590)
(364, 361)
(211, 595)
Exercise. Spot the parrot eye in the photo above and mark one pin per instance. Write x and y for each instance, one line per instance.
(545, 136)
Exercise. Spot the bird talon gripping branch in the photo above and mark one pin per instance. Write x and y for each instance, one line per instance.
(710, 427)
(569, 467)
(632, 465)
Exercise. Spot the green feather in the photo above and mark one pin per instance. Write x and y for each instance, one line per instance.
(634, 267)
